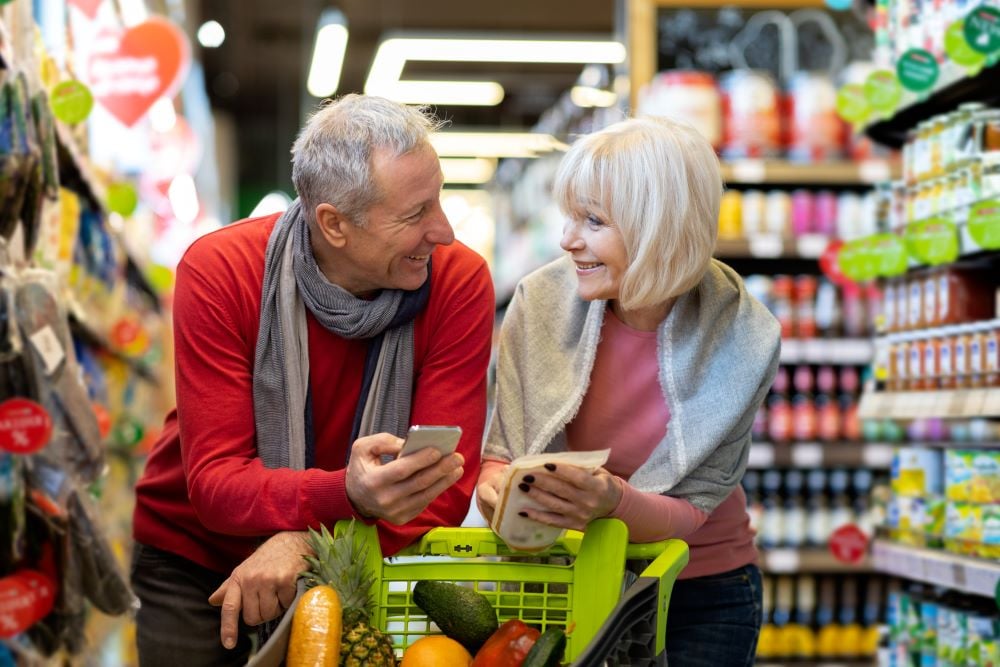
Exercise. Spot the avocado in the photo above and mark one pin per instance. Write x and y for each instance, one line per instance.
(463, 614)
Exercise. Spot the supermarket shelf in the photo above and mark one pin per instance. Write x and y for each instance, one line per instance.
(846, 662)
(969, 575)
(773, 246)
(844, 351)
(873, 455)
(957, 444)
(941, 403)
(953, 88)
(88, 335)
(807, 560)
(783, 172)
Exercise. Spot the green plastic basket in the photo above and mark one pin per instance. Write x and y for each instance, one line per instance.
(579, 582)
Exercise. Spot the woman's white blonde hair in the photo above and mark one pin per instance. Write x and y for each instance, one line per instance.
(659, 182)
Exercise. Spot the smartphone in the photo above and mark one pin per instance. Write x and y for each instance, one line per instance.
(442, 438)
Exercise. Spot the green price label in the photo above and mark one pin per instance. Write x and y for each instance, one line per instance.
(122, 199)
(852, 105)
(889, 253)
(982, 29)
(933, 241)
(71, 102)
(984, 224)
(958, 48)
(857, 261)
(882, 90)
(917, 70)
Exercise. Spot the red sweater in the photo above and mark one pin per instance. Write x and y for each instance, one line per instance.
(205, 495)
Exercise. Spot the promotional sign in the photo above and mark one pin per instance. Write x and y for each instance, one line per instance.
(958, 49)
(26, 597)
(982, 29)
(88, 7)
(849, 544)
(852, 105)
(917, 70)
(25, 426)
(122, 199)
(857, 261)
(882, 90)
(889, 253)
(71, 102)
(131, 69)
(933, 241)
(984, 224)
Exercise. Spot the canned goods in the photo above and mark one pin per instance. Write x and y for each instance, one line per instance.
(752, 123)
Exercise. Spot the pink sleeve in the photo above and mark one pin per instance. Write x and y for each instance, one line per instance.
(651, 516)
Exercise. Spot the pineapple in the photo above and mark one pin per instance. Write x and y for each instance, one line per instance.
(340, 563)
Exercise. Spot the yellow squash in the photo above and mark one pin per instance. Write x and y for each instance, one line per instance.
(316, 628)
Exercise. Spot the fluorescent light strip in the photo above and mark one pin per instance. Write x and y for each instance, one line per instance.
(494, 144)
(393, 53)
(468, 170)
(328, 55)
(586, 96)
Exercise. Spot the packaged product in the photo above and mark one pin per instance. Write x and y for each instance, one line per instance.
(958, 474)
(984, 485)
(983, 640)
(963, 528)
(916, 472)
(989, 545)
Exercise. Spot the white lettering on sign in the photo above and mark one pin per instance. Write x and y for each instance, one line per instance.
(46, 343)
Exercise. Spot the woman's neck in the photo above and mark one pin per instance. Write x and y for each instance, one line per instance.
(642, 319)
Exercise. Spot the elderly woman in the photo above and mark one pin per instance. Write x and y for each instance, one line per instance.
(638, 341)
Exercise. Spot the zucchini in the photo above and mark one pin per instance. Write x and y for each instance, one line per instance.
(548, 649)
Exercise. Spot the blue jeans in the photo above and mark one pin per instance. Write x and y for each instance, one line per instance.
(714, 621)
(175, 625)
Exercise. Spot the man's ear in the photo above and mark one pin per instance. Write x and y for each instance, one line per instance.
(332, 225)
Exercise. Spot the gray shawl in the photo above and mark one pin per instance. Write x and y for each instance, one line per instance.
(292, 283)
(718, 354)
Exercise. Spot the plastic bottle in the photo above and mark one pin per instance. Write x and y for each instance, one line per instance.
(803, 407)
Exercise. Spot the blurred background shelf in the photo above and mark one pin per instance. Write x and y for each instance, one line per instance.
(942, 403)
(872, 455)
(969, 575)
(784, 172)
(808, 560)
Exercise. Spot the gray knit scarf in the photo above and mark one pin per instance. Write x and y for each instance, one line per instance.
(281, 398)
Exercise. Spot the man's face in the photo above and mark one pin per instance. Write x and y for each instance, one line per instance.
(393, 249)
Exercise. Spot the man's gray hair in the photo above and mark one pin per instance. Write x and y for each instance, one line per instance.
(332, 156)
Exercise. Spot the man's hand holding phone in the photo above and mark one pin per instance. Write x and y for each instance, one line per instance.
(402, 488)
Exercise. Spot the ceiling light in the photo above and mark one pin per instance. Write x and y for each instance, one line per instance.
(211, 34)
(328, 54)
(393, 53)
(468, 170)
(494, 144)
(586, 96)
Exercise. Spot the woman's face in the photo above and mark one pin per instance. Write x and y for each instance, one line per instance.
(597, 247)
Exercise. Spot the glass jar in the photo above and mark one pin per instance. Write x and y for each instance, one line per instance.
(977, 354)
(961, 357)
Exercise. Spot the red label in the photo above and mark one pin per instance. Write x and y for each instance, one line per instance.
(25, 426)
(130, 70)
(849, 544)
(830, 266)
(26, 597)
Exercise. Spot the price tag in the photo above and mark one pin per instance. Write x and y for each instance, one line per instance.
(761, 455)
(975, 400)
(811, 246)
(815, 351)
(870, 404)
(782, 560)
(47, 344)
(873, 171)
(941, 572)
(807, 454)
(791, 351)
(766, 245)
(876, 455)
(854, 351)
(749, 171)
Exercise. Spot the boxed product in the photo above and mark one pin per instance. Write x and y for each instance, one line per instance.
(984, 640)
(917, 472)
(963, 528)
(984, 487)
(958, 474)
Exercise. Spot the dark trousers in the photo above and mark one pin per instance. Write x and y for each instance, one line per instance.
(714, 621)
(175, 625)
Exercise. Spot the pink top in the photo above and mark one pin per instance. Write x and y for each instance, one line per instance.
(625, 409)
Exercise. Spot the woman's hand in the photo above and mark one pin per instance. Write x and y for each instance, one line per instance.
(572, 496)
(488, 488)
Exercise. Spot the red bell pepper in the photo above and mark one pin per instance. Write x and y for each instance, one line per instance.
(508, 646)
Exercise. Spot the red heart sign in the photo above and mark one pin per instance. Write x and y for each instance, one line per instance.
(88, 7)
(130, 70)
